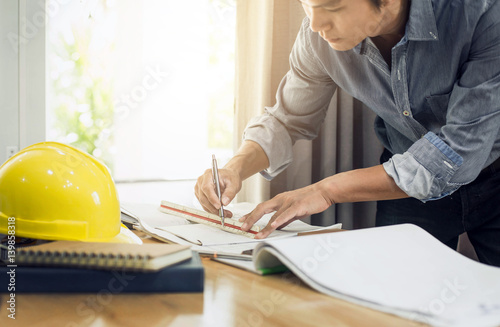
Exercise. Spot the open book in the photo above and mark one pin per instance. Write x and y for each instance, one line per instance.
(398, 269)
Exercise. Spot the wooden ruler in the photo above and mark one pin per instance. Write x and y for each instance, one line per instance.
(202, 217)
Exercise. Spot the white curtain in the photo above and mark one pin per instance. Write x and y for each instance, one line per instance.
(266, 31)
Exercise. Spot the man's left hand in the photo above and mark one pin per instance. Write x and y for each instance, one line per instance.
(289, 206)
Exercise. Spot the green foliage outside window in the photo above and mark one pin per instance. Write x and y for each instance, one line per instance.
(83, 104)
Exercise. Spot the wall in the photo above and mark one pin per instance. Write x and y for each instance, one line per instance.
(9, 79)
(22, 74)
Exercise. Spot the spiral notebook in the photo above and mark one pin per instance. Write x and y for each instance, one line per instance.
(104, 256)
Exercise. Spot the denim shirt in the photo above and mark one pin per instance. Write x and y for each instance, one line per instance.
(437, 106)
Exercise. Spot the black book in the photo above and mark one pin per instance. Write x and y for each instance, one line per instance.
(187, 276)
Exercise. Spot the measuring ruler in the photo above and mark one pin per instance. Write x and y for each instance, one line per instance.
(202, 217)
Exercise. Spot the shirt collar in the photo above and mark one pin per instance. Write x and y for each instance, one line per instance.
(421, 25)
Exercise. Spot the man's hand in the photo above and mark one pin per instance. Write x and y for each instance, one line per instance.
(249, 160)
(289, 206)
(230, 184)
(367, 184)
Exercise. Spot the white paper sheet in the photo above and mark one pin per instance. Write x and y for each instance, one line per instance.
(150, 214)
(210, 236)
(182, 231)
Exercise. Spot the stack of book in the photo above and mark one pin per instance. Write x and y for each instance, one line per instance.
(81, 267)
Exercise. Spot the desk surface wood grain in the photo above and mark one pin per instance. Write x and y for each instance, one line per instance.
(232, 297)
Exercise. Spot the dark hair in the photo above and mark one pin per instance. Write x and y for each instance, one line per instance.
(377, 3)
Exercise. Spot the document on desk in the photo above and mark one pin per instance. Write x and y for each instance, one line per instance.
(206, 239)
(399, 269)
(151, 215)
(206, 235)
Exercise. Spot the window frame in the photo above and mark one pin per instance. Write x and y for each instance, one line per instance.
(23, 106)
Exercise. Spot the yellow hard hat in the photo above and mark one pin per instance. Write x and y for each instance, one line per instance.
(53, 191)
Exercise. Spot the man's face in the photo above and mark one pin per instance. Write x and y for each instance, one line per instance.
(343, 23)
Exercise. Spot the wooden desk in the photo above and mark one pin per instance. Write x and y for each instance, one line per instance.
(232, 297)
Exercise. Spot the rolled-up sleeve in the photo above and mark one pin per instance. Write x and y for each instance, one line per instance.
(425, 170)
(302, 100)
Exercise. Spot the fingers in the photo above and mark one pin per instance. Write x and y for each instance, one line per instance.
(265, 232)
(228, 214)
(272, 205)
(286, 216)
(289, 206)
(250, 219)
(228, 192)
(206, 194)
(283, 217)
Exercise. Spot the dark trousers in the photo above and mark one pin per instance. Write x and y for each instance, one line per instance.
(474, 208)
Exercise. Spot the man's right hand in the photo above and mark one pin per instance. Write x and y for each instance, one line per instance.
(249, 159)
(230, 185)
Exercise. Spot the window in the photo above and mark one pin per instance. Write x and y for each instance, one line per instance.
(145, 86)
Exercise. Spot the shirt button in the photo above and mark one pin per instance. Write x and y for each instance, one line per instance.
(406, 113)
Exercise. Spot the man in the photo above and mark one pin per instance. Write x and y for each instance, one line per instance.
(430, 69)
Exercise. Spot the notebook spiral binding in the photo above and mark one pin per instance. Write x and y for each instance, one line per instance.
(83, 260)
